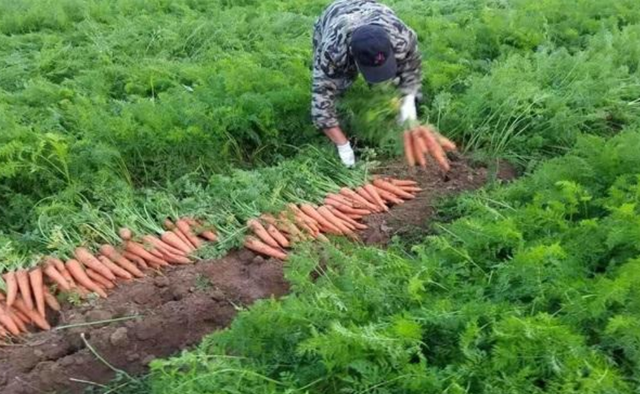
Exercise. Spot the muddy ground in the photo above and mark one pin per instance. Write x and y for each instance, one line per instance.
(170, 311)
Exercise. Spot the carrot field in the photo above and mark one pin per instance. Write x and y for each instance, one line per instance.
(171, 222)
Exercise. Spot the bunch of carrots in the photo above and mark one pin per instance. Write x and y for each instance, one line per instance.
(423, 141)
(28, 292)
(339, 215)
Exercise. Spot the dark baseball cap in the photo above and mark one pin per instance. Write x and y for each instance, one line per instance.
(373, 52)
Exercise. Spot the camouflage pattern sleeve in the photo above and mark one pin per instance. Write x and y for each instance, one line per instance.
(410, 68)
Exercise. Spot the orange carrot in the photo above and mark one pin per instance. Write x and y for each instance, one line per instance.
(311, 211)
(25, 289)
(116, 269)
(36, 280)
(435, 149)
(262, 233)
(258, 246)
(420, 149)
(99, 279)
(346, 222)
(184, 227)
(19, 318)
(162, 246)
(184, 239)
(84, 256)
(112, 254)
(359, 199)
(331, 218)
(67, 276)
(346, 218)
(446, 143)
(411, 189)
(170, 238)
(401, 183)
(138, 250)
(278, 236)
(284, 226)
(75, 269)
(125, 234)
(409, 151)
(52, 273)
(136, 259)
(168, 224)
(3, 332)
(365, 195)
(209, 235)
(308, 219)
(374, 193)
(346, 209)
(389, 196)
(51, 301)
(384, 185)
(343, 200)
(12, 286)
(8, 322)
(32, 315)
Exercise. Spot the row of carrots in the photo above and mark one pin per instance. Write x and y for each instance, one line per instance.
(28, 292)
(338, 216)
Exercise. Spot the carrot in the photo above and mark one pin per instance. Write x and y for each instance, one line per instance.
(261, 232)
(99, 279)
(67, 276)
(346, 209)
(138, 250)
(389, 196)
(411, 189)
(162, 246)
(344, 200)
(346, 222)
(184, 239)
(75, 269)
(359, 199)
(331, 218)
(116, 269)
(278, 236)
(258, 246)
(125, 234)
(168, 224)
(311, 211)
(284, 226)
(347, 219)
(209, 235)
(51, 301)
(374, 193)
(401, 183)
(19, 318)
(409, 150)
(420, 149)
(35, 277)
(84, 256)
(32, 315)
(435, 149)
(8, 322)
(171, 238)
(184, 227)
(112, 254)
(446, 143)
(12, 286)
(384, 185)
(25, 289)
(322, 238)
(308, 219)
(365, 195)
(136, 259)
(52, 273)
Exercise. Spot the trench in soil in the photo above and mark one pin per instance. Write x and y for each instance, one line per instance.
(163, 314)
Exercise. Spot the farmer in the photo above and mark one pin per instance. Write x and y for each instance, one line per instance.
(363, 36)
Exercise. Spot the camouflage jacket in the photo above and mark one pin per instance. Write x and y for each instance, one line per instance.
(334, 69)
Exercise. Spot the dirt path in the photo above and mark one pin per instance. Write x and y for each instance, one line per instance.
(164, 314)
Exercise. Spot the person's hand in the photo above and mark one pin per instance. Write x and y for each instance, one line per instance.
(408, 112)
(345, 151)
(346, 154)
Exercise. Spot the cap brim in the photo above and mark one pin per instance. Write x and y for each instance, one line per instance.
(381, 73)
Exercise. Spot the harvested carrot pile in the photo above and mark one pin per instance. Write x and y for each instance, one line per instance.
(85, 273)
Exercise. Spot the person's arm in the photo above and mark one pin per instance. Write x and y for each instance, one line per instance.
(324, 113)
(410, 72)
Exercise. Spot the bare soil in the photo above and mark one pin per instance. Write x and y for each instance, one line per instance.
(164, 313)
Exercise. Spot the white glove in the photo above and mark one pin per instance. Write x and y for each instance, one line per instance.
(408, 112)
(346, 154)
